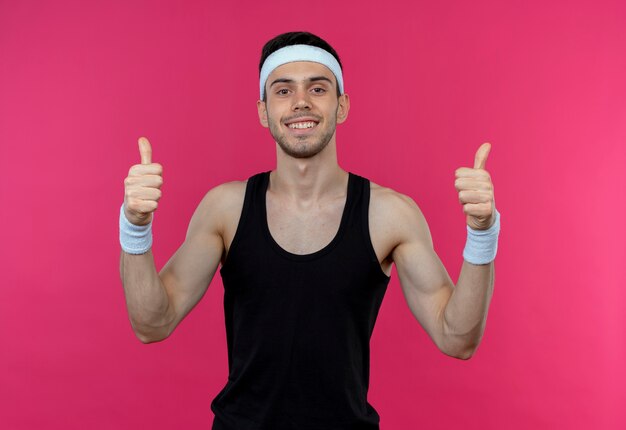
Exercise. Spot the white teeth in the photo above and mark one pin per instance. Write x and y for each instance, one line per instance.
(309, 124)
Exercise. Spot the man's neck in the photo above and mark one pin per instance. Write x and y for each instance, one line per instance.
(308, 180)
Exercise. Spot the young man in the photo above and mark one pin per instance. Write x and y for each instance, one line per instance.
(306, 253)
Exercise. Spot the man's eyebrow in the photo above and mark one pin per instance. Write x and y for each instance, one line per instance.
(291, 81)
(282, 80)
(320, 78)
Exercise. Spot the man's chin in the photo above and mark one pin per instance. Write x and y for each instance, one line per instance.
(300, 154)
(301, 149)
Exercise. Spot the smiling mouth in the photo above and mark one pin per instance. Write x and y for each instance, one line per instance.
(302, 125)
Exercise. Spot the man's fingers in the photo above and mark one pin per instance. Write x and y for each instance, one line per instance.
(481, 156)
(478, 209)
(146, 169)
(145, 150)
(152, 181)
(142, 206)
(473, 184)
(471, 196)
(468, 172)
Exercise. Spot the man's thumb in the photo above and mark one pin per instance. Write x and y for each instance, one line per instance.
(481, 156)
(145, 150)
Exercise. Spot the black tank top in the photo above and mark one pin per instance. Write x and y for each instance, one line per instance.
(298, 326)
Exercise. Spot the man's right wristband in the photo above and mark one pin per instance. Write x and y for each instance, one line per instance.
(134, 239)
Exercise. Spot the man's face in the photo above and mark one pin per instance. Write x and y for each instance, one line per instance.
(302, 108)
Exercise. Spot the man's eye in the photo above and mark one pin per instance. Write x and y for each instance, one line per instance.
(319, 90)
(282, 91)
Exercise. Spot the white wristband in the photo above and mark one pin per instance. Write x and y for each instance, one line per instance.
(134, 239)
(482, 245)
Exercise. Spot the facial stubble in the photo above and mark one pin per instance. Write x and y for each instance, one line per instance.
(303, 148)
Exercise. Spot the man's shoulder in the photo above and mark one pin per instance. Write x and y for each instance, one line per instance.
(394, 213)
(225, 195)
(229, 189)
(220, 204)
(388, 200)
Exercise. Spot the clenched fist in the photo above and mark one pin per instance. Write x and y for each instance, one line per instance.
(476, 191)
(142, 187)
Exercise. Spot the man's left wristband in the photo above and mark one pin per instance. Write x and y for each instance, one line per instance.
(481, 246)
(134, 239)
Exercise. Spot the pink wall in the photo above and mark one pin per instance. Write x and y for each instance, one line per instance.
(429, 82)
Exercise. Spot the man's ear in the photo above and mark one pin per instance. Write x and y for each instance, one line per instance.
(260, 106)
(343, 109)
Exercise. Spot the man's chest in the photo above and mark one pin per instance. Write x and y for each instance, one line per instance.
(305, 230)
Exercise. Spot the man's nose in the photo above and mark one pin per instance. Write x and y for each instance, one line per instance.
(301, 100)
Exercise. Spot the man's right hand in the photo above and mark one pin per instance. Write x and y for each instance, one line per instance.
(142, 187)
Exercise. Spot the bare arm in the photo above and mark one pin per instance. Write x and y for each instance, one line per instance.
(465, 316)
(453, 317)
(146, 300)
(157, 303)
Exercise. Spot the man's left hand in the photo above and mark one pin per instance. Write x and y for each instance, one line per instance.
(476, 191)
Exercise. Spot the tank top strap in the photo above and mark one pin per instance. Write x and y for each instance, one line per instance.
(359, 215)
(254, 202)
(360, 199)
(260, 189)
(247, 228)
(353, 201)
(258, 186)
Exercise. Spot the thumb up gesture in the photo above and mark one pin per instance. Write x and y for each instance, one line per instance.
(142, 187)
(476, 191)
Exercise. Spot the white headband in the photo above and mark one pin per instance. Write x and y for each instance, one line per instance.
(292, 53)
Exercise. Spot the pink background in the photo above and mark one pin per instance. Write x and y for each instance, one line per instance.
(429, 82)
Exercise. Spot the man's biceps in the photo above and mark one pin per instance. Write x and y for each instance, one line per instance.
(187, 275)
(198, 257)
(422, 274)
(426, 287)
(192, 265)
(414, 260)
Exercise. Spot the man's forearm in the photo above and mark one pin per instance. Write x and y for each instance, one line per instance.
(465, 314)
(146, 298)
